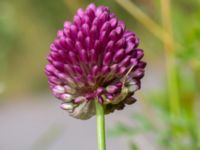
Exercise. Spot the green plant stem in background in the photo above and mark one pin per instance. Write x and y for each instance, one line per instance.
(145, 20)
(141, 17)
(166, 36)
(171, 65)
(100, 126)
(171, 69)
(198, 134)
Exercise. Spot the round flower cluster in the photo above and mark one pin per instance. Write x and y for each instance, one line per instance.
(94, 57)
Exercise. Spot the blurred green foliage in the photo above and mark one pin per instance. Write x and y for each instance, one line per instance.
(26, 30)
(27, 27)
(181, 131)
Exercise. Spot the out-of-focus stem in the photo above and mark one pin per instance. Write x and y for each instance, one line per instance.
(145, 20)
(165, 34)
(100, 126)
(198, 134)
(141, 17)
(170, 59)
(171, 67)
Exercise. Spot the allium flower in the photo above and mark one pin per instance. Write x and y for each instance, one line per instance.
(94, 57)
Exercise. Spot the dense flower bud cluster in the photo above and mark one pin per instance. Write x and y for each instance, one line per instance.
(94, 57)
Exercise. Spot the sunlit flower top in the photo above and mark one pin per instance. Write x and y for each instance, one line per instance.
(94, 57)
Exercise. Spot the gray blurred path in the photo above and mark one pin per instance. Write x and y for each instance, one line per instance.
(35, 123)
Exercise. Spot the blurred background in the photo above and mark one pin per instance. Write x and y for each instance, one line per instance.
(166, 115)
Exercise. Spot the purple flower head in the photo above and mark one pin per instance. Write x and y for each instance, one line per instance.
(94, 57)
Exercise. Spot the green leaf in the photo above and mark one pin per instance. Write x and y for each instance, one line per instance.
(144, 123)
(121, 129)
(133, 146)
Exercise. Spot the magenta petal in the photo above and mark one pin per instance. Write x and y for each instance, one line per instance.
(90, 13)
(80, 36)
(112, 89)
(94, 56)
(100, 99)
(105, 70)
(119, 31)
(95, 70)
(139, 73)
(119, 55)
(120, 43)
(78, 46)
(100, 91)
(80, 99)
(57, 44)
(60, 33)
(106, 27)
(122, 25)
(73, 57)
(92, 7)
(87, 20)
(140, 53)
(141, 64)
(78, 70)
(107, 58)
(49, 68)
(54, 80)
(67, 24)
(109, 96)
(80, 12)
(119, 85)
(74, 31)
(83, 56)
(125, 62)
(58, 65)
(77, 20)
(69, 43)
(103, 37)
(94, 33)
(130, 47)
(104, 17)
(68, 69)
(113, 35)
(88, 43)
(113, 22)
(86, 29)
(110, 46)
(90, 80)
(122, 70)
(114, 68)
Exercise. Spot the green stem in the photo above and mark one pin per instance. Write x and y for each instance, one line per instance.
(100, 126)
(198, 134)
(171, 67)
(145, 20)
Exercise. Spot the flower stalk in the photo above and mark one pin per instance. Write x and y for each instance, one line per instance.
(95, 66)
(100, 126)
